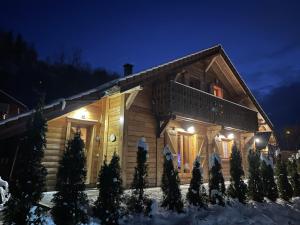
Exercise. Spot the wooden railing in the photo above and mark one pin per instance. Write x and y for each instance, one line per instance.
(174, 98)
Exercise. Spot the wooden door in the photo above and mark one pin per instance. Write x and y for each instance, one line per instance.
(87, 134)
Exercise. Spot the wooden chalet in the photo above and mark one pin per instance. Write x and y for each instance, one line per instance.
(197, 104)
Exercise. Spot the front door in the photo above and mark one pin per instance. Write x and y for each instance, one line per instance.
(87, 135)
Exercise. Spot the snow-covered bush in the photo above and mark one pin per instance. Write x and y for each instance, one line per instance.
(107, 205)
(170, 183)
(237, 188)
(267, 175)
(294, 175)
(216, 181)
(284, 187)
(70, 201)
(255, 185)
(196, 194)
(138, 202)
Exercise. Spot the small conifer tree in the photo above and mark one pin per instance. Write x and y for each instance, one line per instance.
(170, 184)
(139, 202)
(70, 201)
(110, 192)
(284, 187)
(196, 194)
(29, 177)
(294, 175)
(216, 181)
(267, 175)
(237, 188)
(255, 185)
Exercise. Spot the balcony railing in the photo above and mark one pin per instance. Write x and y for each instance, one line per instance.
(174, 98)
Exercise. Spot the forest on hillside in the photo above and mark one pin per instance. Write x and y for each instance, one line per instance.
(25, 76)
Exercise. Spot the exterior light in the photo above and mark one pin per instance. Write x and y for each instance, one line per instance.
(230, 136)
(288, 132)
(191, 129)
(121, 119)
(257, 140)
(81, 114)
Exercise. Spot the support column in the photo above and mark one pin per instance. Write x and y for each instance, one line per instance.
(211, 133)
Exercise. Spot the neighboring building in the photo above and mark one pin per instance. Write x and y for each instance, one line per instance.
(9, 106)
(196, 104)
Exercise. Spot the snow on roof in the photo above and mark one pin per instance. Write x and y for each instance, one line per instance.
(14, 99)
(62, 101)
(170, 62)
(117, 81)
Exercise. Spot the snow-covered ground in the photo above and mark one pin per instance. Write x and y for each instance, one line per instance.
(268, 213)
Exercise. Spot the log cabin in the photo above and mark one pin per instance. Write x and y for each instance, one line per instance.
(197, 104)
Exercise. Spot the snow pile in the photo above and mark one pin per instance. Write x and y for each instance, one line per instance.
(167, 153)
(142, 144)
(212, 159)
(268, 160)
(278, 213)
(253, 213)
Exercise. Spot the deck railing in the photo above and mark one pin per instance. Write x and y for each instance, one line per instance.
(178, 99)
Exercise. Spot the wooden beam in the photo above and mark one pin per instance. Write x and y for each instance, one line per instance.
(162, 125)
(179, 74)
(131, 98)
(210, 63)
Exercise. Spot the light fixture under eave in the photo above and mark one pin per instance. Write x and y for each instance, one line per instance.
(230, 136)
(257, 140)
(191, 129)
(81, 114)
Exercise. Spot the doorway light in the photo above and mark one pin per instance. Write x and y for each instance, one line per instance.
(230, 136)
(191, 129)
(81, 114)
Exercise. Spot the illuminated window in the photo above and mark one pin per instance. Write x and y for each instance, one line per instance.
(217, 91)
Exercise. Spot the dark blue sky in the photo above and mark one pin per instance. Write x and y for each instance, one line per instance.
(262, 38)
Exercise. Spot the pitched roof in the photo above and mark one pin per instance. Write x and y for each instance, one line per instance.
(14, 99)
(134, 79)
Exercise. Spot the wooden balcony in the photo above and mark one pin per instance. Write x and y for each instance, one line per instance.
(174, 98)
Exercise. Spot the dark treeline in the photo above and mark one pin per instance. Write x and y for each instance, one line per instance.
(24, 75)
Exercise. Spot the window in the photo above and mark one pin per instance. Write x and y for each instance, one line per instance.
(217, 91)
(185, 152)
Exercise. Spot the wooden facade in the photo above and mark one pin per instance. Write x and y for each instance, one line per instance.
(197, 105)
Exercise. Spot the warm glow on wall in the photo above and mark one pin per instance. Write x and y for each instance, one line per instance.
(121, 119)
(81, 114)
(230, 136)
(191, 129)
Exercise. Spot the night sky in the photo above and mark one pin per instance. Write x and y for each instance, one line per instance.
(262, 38)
